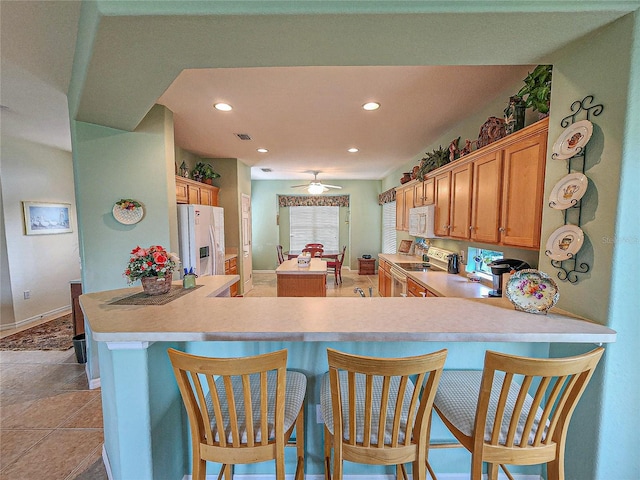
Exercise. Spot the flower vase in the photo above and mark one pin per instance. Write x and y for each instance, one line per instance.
(156, 285)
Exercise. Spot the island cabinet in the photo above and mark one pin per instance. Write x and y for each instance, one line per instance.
(414, 289)
(404, 202)
(384, 278)
(495, 195)
(231, 268)
(190, 191)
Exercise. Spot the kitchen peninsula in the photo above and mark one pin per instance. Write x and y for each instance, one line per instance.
(145, 429)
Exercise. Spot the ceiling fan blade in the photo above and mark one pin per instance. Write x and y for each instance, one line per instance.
(331, 186)
(300, 186)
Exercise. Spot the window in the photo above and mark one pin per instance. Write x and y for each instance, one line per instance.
(479, 258)
(389, 227)
(314, 225)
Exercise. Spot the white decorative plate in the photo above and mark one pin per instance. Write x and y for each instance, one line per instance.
(564, 243)
(568, 191)
(572, 140)
(127, 216)
(532, 291)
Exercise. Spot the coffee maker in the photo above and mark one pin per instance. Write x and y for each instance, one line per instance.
(500, 267)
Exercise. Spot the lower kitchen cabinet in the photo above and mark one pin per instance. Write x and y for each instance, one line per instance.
(384, 278)
(231, 268)
(414, 289)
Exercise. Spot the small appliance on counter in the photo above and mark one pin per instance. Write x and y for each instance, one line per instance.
(500, 267)
(452, 263)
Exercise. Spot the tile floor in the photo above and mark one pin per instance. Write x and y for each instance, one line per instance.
(51, 423)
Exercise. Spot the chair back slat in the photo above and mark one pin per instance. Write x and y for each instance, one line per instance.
(264, 414)
(217, 412)
(384, 407)
(534, 410)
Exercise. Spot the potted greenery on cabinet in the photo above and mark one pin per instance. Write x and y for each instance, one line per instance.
(204, 172)
(536, 91)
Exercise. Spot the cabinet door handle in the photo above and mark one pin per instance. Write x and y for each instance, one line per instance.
(501, 229)
(470, 227)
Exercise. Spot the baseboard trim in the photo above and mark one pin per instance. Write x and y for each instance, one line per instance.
(441, 476)
(107, 465)
(93, 382)
(50, 315)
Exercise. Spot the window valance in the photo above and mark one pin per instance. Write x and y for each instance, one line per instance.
(387, 197)
(313, 200)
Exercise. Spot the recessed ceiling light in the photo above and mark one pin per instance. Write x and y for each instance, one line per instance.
(262, 150)
(371, 106)
(223, 107)
(353, 150)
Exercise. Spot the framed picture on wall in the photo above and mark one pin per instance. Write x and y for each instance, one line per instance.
(41, 218)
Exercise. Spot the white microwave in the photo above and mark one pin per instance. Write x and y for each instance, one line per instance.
(422, 221)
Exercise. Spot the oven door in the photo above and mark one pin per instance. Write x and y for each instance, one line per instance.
(398, 283)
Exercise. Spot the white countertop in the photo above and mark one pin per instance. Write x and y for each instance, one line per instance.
(201, 316)
(440, 282)
(316, 267)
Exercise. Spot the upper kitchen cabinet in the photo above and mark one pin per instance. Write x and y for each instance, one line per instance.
(190, 191)
(495, 194)
(404, 202)
(523, 190)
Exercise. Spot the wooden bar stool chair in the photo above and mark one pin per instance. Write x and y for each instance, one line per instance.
(516, 411)
(241, 410)
(375, 414)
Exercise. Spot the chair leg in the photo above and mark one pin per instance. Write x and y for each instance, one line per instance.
(430, 470)
(300, 444)
(476, 467)
(199, 468)
(492, 471)
(328, 439)
(555, 469)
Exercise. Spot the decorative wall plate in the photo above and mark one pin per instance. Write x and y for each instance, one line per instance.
(572, 140)
(564, 243)
(128, 212)
(568, 191)
(532, 291)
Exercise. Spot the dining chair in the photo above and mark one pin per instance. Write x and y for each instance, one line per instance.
(316, 245)
(335, 266)
(314, 251)
(516, 411)
(280, 254)
(220, 394)
(377, 411)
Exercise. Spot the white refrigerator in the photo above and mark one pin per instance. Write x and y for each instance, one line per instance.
(201, 239)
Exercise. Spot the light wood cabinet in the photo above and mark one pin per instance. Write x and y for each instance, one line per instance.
(231, 268)
(404, 202)
(428, 191)
(418, 194)
(190, 191)
(486, 198)
(460, 214)
(522, 192)
(384, 278)
(495, 195)
(414, 289)
(443, 204)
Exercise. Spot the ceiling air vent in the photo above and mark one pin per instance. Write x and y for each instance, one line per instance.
(243, 136)
(266, 170)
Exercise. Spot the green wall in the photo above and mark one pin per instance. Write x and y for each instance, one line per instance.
(362, 233)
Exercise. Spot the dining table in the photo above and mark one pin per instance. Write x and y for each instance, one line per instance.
(325, 254)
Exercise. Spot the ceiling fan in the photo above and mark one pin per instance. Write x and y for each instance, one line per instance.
(315, 187)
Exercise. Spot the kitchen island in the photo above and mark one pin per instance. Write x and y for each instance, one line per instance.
(145, 429)
(295, 280)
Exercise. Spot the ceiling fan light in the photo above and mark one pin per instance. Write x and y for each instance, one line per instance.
(315, 189)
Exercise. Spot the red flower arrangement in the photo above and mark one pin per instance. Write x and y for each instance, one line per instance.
(154, 261)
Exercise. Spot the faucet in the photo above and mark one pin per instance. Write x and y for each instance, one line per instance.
(359, 290)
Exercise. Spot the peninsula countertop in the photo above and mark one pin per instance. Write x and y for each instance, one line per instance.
(202, 316)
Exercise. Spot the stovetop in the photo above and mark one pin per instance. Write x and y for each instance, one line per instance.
(414, 267)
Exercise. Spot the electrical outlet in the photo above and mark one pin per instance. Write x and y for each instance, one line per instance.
(27, 294)
(462, 257)
(319, 417)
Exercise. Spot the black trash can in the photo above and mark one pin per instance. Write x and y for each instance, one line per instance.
(80, 346)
